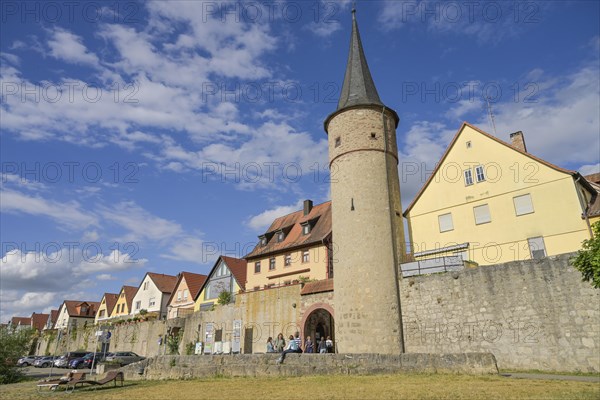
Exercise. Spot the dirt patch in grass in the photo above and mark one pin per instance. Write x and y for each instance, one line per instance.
(400, 386)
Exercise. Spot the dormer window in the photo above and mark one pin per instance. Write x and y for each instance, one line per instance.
(84, 310)
(263, 240)
(280, 236)
(305, 229)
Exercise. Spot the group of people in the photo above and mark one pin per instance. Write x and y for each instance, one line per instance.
(294, 345)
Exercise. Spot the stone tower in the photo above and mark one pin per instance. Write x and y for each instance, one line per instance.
(368, 234)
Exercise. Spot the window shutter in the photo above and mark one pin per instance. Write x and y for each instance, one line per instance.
(445, 222)
(523, 204)
(482, 214)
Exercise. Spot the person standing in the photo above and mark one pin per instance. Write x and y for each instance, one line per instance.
(279, 343)
(329, 344)
(308, 345)
(322, 346)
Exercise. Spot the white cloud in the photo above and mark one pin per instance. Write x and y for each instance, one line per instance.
(69, 47)
(263, 220)
(589, 169)
(67, 214)
(189, 249)
(140, 224)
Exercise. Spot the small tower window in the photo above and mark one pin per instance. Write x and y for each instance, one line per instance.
(338, 141)
(469, 144)
(373, 135)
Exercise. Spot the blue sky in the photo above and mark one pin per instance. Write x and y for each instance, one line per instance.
(155, 136)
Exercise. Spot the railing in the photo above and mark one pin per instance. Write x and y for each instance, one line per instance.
(432, 265)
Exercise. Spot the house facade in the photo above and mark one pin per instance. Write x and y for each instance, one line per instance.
(20, 323)
(106, 307)
(51, 320)
(181, 302)
(153, 294)
(123, 307)
(491, 202)
(295, 247)
(73, 314)
(38, 321)
(229, 275)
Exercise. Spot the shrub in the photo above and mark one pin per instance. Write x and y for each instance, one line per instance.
(224, 298)
(13, 344)
(587, 260)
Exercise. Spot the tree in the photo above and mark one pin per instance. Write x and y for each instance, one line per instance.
(224, 298)
(587, 260)
(13, 344)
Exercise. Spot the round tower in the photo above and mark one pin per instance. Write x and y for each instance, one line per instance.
(368, 234)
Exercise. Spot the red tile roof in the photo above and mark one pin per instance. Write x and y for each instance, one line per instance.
(38, 321)
(164, 283)
(594, 181)
(194, 283)
(238, 269)
(439, 164)
(325, 285)
(129, 295)
(75, 311)
(15, 321)
(593, 178)
(53, 317)
(291, 223)
(111, 301)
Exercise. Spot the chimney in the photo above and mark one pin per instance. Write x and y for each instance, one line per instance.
(308, 205)
(517, 141)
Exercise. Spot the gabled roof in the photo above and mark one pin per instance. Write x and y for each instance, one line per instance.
(455, 138)
(38, 321)
(22, 321)
(594, 181)
(129, 295)
(111, 301)
(194, 283)
(164, 283)
(72, 306)
(53, 316)
(237, 267)
(320, 215)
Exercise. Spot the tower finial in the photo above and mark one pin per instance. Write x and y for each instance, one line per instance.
(353, 9)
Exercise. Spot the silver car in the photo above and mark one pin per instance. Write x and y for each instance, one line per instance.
(43, 362)
(124, 357)
(26, 361)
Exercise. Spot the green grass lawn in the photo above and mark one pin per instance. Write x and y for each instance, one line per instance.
(400, 386)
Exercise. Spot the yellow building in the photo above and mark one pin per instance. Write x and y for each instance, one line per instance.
(107, 304)
(122, 307)
(294, 248)
(493, 202)
(182, 300)
(227, 275)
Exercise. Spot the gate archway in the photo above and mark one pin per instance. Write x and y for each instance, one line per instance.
(319, 322)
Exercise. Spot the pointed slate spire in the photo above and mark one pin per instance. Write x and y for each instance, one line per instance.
(358, 85)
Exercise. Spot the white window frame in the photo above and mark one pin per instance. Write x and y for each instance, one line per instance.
(272, 263)
(479, 173)
(257, 267)
(138, 305)
(179, 295)
(152, 302)
(305, 256)
(445, 224)
(185, 294)
(287, 260)
(468, 175)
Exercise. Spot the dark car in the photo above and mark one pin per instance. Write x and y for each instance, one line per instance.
(85, 361)
(43, 362)
(63, 361)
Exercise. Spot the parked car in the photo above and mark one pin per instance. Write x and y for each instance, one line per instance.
(124, 357)
(43, 362)
(85, 361)
(63, 361)
(26, 361)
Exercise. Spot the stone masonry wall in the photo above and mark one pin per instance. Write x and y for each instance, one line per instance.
(189, 367)
(529, 314)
